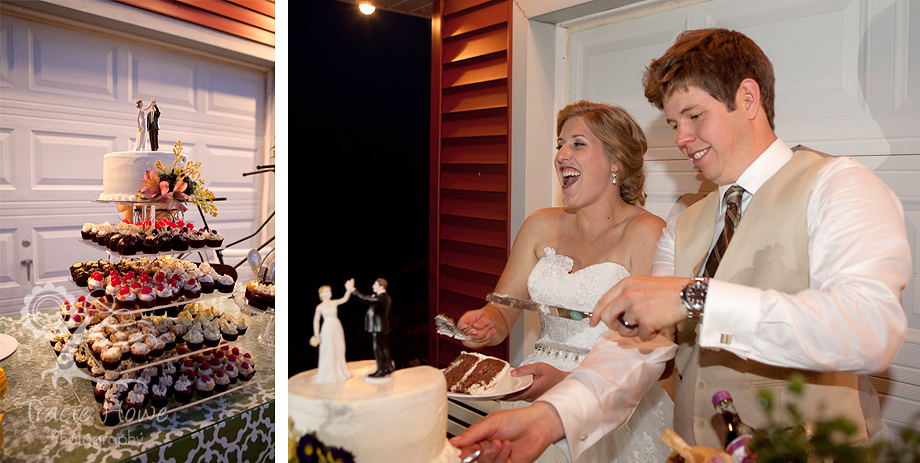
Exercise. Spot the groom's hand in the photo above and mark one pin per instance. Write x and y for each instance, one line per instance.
(652, 303)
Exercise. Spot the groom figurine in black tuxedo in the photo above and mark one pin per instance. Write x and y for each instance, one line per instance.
(377, 322)
(153, 126)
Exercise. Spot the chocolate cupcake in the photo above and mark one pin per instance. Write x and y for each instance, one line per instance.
(129, 244)
(146, 297)
(225, 284)
(110, 413)
(159, 397)
(180, 241)
(150, 244)
(182, 389)
(204, 386)
(112, 242)
(86, 231)
(221, 381)
(166, 240)
(197, 240)
(125, 299)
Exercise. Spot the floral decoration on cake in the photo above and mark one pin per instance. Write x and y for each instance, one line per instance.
(309, 449)
(172, 185)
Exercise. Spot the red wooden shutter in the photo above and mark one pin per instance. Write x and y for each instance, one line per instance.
(470, 161)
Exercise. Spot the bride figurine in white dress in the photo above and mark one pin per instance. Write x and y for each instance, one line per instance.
(570, 256)
(332, 367)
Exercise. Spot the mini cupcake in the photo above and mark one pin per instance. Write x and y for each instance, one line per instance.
(212, 336)
(169, 340)
(81, 358)
(112, 241)
(191, 288)
(246, 371)
(232, 371)
(140, 353)
(129, 244)
(158, 398)
(150, 244)
(182, 389)
(75, 322)
(228, 331)
(96, 284)
(164, 297)
(110, 413)
(125, 299)
(215, 239)
(207, 283)
(112, 288)
(166, 239)
(194, 340)
(134, 400)
(241, 326)
(221, 381)
(159, 347)
(99, 391)
(204, 386)
(146, 298)
(204, 369)
(86, 231)
(188, 368)
(197, 239)
(246, 358)
(111, 358)
(225, 284)
(180, 241)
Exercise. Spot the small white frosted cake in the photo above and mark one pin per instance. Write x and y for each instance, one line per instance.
(403, 420)
(123, 171)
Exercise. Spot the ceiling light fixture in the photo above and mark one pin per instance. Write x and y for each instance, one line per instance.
(366, 8)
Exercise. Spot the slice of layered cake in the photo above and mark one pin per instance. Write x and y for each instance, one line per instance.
(477, 374)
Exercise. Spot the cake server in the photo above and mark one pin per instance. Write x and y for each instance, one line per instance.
(516, 303)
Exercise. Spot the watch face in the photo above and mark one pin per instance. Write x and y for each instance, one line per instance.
(695, 294)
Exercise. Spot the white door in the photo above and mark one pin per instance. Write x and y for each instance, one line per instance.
(67, 98)
(845, 85)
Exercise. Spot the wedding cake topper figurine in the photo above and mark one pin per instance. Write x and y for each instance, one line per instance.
(332, 366)
(153, 125)
(140, 143)
(377, 322)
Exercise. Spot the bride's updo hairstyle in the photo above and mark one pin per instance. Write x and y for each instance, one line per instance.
(623, 139)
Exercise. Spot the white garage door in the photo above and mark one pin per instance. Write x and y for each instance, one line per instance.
(68, 98)
(846, 85)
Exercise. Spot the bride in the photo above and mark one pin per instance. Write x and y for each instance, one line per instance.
(570, 256)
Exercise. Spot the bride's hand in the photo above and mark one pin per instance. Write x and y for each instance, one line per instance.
(481, 324)
(545, 376)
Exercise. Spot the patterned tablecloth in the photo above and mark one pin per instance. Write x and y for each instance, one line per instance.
(50, 414)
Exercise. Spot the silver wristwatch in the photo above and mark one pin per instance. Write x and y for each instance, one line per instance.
(694, 297)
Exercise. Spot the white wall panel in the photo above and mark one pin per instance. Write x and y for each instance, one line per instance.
(63, 161)
(71, 64)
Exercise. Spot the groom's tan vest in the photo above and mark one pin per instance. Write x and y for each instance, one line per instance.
(769, 250)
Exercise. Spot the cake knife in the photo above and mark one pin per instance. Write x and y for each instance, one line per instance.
(516, 303)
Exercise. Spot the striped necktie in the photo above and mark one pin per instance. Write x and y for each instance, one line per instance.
(732, 217)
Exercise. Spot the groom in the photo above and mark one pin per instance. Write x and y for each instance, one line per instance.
(377, 322)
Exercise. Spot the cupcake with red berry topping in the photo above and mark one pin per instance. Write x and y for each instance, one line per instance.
(125, 299)
(204, 386)
(75, 322)
(113, 287)
(246, 371)
(232, 371)
(221, 381)
(191, 288)
(96, 284)
(146, 298)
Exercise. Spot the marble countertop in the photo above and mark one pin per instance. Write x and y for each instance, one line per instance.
(50, 414)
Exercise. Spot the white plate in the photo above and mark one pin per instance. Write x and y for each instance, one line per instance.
(8, 345)
(518, 384)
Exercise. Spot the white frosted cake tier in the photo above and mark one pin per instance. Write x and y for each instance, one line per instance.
(403, 420)
(123, 171)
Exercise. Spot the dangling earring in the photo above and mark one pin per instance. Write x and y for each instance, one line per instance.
(614, 175)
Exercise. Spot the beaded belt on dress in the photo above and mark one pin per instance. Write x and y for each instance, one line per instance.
(559, 353)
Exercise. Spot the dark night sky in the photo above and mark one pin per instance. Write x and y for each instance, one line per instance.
(358, 132)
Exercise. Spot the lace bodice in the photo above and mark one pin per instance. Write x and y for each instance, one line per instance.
(563, 342)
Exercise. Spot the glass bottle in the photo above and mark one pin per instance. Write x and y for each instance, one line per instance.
(737, 434)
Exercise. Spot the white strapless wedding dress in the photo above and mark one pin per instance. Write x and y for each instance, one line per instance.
(563, 343)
